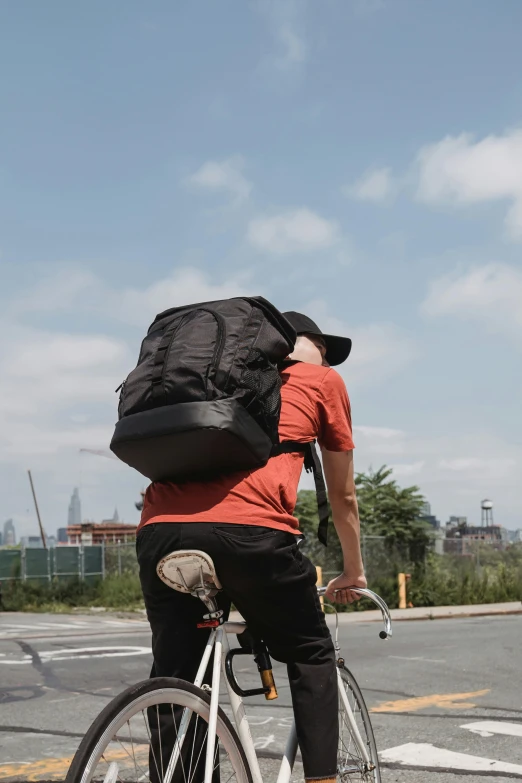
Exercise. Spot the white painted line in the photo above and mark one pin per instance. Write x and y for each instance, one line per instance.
(488, 728)
(426, 755)
(78, 653)
(424, 660)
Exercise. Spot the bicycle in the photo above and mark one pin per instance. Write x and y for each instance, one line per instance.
(158, 729)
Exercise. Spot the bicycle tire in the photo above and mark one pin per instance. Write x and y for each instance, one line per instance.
(373, 776)
(156, 691)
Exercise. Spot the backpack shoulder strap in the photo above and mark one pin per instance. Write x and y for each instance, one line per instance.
(312, 464)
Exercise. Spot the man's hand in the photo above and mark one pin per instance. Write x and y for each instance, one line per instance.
(337, 589)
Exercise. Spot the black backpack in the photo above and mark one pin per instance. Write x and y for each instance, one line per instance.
(205, 396)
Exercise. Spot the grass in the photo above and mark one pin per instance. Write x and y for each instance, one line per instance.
(116, 592)
(489, 576)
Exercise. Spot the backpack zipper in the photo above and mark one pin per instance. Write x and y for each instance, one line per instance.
(220, 343)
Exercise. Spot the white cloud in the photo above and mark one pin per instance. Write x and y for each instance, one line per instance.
(490, 294)
(225, 176)
(286, 23)
(454, 470)
(379, 440)
(459, 170)
(293, 47)
(379, 433)
(186, 285)
(379, 350)
(491, 469)
(56, 292)
(406, 469)
(294, 231)
(50, 380)
(375, 185)
(57, 388)
(45, 375)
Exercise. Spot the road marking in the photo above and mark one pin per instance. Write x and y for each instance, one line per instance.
(427, 755)
(8, 630)
(488, 728)
(76, 654)
(424, 660)
(446, 701)
(56, 768)
(263, 742)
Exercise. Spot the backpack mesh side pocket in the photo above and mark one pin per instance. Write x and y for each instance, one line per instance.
(262, 379)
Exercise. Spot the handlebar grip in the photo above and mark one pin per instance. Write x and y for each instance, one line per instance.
(386, 616)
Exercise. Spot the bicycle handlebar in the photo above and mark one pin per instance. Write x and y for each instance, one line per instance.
(386, 616)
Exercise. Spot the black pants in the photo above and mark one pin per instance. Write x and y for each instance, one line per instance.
(273, 586)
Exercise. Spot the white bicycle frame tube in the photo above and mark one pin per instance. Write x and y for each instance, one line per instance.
(218, 638)
(238, 709)
(184, 722)
(214, 703)
(287, 764)
(363, 750)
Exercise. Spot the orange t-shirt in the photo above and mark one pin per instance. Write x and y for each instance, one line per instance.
(314, 404)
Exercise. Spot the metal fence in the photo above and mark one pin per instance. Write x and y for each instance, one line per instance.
(64, 563)
(99, 561)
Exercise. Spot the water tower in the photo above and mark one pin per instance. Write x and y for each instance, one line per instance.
(487, 513)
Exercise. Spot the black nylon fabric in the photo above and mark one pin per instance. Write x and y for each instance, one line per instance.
(205, 395)
(199, 355)
(191, 440)
(209, 351)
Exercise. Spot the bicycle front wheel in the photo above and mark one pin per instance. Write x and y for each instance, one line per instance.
(137, 736)
(352, 766)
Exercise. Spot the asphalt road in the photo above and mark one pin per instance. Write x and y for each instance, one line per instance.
(445, 695)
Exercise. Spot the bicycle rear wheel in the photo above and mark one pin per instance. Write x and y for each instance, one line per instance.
(132, 739)
(352, 767)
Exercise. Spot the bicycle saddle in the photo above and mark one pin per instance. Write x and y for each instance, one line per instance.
(188, 570)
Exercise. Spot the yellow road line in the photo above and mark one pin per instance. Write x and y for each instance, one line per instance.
(446, 701)
(57, 768)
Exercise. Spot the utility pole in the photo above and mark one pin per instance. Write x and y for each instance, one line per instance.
(42, 534)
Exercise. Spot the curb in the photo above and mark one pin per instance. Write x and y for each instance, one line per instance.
(431, 613)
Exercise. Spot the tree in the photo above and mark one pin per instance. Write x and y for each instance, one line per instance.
(329, 558)
(387, 510)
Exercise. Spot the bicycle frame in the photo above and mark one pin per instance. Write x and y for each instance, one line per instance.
(218, 640)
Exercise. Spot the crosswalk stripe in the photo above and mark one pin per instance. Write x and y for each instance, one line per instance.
(488, 728)
(427, 755)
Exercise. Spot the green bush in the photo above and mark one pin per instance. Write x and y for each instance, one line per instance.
(120, 592)
(115, 592)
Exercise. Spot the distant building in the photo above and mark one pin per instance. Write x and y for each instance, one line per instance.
(428, 517)
(114, 519)
(107, 532)
(9, 537)
(462, 539)
(31, 542)
(456, 521)
(74, 517)
(1, 538)
(61, 535)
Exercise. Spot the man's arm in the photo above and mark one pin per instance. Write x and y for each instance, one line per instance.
(338, 471)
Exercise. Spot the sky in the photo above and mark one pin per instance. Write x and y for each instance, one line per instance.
(357, 160)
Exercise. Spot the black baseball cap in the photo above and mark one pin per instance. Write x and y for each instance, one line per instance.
(337, 348)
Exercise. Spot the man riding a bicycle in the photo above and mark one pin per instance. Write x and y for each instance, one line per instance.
(244, 521)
